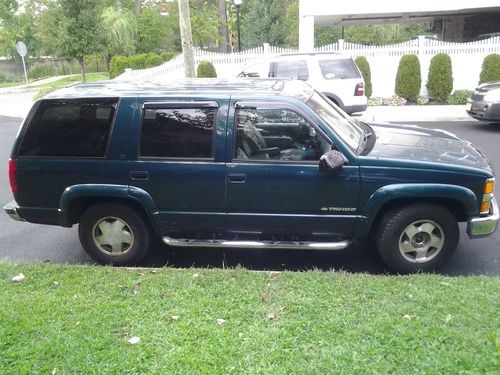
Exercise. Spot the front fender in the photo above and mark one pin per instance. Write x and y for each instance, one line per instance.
(389, 193)
(75, 192)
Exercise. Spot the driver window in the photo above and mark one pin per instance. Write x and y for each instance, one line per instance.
(277, 134)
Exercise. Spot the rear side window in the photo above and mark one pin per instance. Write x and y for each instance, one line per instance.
(338, 69)
(70, 128)
(294, 69)
(177, 132)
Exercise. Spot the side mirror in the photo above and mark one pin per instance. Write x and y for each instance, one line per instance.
(332, 160)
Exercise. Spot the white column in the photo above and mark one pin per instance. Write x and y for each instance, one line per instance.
(306, 33)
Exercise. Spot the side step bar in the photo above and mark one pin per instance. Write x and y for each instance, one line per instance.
(258, 244)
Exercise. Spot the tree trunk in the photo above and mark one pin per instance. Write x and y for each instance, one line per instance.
(223, 33)
(82, 69)
(137, 7)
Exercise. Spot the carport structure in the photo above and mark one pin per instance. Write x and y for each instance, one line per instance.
(461, 20)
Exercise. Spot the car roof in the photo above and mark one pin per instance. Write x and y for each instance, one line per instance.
(196, 87)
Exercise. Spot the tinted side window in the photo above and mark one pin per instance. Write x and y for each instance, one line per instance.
(77, 127)
(291, 69)
(338, 69)
(177, 132)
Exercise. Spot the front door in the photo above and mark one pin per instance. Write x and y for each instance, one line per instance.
(274, 185)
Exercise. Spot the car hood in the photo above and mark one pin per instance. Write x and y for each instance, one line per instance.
(414, 143)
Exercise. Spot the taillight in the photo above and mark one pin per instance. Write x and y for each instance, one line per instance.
(12, 176)
(360, 89)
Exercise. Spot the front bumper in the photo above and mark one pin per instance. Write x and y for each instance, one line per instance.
(484, 226)
(11, 209)
(483, 110)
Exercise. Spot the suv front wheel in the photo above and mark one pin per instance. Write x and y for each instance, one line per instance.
(114, 234)
(417, 238)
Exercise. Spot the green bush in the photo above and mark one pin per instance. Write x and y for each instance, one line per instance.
(206, 70)
(167, 55)
(152, 59)
(408, 78)
(117, 65)
(41, 70)
(459, 97)
(440, 79)
(490, 71)
(66, 68)
(364, 66)
(138, 61)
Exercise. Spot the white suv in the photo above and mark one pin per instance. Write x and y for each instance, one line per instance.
(335, 75)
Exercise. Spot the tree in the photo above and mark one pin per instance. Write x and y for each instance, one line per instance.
(154, 30)
(72, 30)
(223, 33)
(440, 79)
(7, 9)
(364, 67)
(408, 78)
(121, 28)
(490, 70)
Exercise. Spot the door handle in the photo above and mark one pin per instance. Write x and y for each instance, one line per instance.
(139, 175)
(236, 178)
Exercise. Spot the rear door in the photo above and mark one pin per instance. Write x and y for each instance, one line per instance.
(180, 163)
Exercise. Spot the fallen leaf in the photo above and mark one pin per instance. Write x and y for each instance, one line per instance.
(445, 283)
(54, 371)
(448, 318)
(410, 295)
(18, 278)
(220, 321)
(195, 275)
(407, 317)
(282, 307)
(56, 283)
(271, 316)
(77, 323)
(134, 340)
(174, 317)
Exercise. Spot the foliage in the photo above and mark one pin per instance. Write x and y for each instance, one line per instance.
(41, 70)
(7, 9)
(78, 319)
(121, 28)
(459, 97)
(385, 34)
(152, 30)
(364, 67)
(422, 101)
(204, 24)
(167, 55)
(206, 70)
(324, 35)
(152, 59)
(138, 61)
(440, 79)
(117, 66)
(72, 29)
(18, 27)
(408, 79)
(490, 70)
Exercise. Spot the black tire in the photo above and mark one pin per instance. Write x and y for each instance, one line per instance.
(434, 237)
(114, 234)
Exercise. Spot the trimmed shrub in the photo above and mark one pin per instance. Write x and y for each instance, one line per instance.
(152, 59)
(364, 67)
(41, 70)
(408, 78)
(138, 61)
(490, 71)
(440, 79)
(117, 65)
(206, 70)
(167, 55)
(459, 97)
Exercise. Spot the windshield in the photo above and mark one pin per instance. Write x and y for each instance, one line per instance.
(346, 128)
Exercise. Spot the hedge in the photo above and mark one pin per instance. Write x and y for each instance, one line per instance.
(364, 67)
(440, 79)
(490, 71)
(408, 78)
(144, 60)
(206, 70)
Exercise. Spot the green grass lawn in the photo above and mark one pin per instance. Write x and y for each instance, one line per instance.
(11, 84)
(63, 82)
(78, 319)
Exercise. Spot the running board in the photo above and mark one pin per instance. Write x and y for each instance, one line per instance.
(258, 244)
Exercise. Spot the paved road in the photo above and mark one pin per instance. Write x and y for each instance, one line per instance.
(24, 242)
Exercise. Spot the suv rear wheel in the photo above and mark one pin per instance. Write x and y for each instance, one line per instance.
(114, 234)
(417, 238)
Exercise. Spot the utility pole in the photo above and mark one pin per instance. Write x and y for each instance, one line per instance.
(186, 38)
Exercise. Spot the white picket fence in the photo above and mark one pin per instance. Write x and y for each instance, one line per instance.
(466, 59)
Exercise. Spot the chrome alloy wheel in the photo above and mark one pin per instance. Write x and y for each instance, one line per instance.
(112, 236)
(421, 241)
